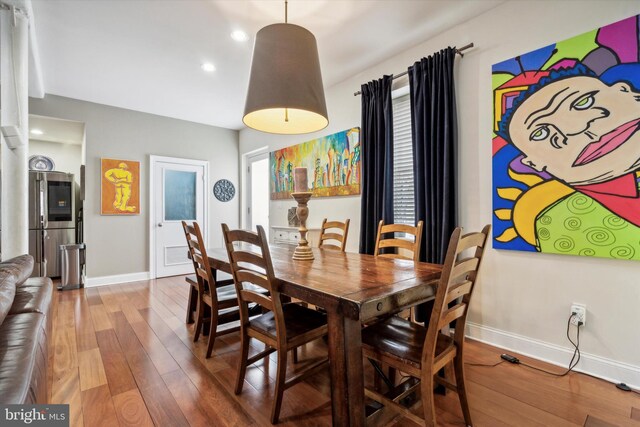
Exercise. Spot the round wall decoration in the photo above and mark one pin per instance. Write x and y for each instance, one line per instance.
(41, 163)
(224, 190)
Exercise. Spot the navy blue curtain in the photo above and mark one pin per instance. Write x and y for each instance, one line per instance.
(377, 160)
(434, 137)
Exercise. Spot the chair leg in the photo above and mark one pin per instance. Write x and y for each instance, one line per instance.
(449, 375)
(295, 355)
(280, 379)
(242, 362)
(428, 403)
(199, 320)
(212, 331)
(393, 375)
(458, 364)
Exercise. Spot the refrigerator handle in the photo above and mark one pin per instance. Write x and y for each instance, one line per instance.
(44, 200)
(43, 259)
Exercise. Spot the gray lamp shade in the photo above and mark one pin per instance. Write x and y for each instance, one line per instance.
(285, 93)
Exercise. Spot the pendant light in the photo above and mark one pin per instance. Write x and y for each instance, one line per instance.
(285, 93)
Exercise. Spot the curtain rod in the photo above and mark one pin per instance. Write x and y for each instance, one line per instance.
(395, 76)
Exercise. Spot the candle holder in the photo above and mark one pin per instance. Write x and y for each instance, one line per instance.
(303, 252)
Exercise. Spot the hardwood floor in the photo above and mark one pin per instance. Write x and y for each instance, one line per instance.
(124, 356)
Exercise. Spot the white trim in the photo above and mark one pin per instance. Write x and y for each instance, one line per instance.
(598, 366)
(244, 182)
(153, 159)
(117, 278)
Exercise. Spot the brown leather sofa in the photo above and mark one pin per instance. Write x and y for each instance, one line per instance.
(25, 328)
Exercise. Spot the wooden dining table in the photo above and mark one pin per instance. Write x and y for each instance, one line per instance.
(353, 289)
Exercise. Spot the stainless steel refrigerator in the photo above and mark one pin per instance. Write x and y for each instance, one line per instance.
(52, 219)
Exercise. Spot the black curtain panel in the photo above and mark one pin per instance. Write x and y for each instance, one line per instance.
(434, 135)
(377, 160)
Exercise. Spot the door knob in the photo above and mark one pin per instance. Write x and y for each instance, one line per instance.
(159, 224)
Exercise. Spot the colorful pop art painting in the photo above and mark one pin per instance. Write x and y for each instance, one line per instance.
(566, 146)
(332, 162)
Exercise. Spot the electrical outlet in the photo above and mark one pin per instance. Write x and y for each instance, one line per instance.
(580, 311)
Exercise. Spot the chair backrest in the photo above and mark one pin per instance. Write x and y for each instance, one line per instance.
(250, 262)
(399, 243)
(327, 238)
(198, 252)
(459, 276)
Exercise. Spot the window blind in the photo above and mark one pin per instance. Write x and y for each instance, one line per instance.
(403, 202)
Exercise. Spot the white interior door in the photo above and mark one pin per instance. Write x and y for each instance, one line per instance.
(179, 194)
(258, 192)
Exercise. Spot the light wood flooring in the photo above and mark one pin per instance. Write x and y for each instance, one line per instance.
(124, 356)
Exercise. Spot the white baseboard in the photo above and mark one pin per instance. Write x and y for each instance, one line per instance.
(598, 366)
(117, 278)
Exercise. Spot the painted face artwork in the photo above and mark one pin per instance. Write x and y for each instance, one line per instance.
(580, 130)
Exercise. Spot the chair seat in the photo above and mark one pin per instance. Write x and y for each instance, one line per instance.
(401, 340)
(299, 321)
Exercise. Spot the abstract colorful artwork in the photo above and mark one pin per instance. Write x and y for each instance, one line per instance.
(333, 164)
(120, 186)
(566, 146)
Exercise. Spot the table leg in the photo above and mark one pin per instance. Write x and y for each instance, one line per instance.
(347, 379)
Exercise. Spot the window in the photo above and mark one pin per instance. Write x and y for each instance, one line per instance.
(403, 203)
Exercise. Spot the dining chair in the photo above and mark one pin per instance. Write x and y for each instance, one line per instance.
(220, 297)
(399, 244)
(328, 238)
(193, 282)
(284, 327)
(421, 351)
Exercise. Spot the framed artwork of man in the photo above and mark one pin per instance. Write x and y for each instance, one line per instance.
(120, 185)
(566, 146)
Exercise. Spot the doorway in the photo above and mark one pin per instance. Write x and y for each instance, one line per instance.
(258, 191)
(177, 193)
(56, 190)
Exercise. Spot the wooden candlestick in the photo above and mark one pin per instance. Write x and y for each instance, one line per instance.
(303, 252)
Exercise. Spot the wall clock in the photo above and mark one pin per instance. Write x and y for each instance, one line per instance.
(224, 190)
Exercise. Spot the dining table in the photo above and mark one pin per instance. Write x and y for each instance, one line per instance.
(353, 289)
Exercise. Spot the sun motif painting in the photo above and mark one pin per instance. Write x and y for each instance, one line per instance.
(120, 186)
(332, 162)
(566, 146)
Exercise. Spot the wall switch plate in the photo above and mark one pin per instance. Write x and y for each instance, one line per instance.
(580, 311)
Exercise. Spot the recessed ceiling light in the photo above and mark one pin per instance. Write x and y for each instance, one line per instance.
(208, 67)
(239, 36)
(36, 132)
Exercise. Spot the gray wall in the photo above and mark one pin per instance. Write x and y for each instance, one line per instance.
(120, 244)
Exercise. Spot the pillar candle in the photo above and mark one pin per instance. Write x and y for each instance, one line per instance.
(300, 183)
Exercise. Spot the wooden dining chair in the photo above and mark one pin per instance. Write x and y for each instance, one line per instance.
(192, 281)
(422, 351)
(328, 238)
(284, 327)
(397, 243)
(221, 299)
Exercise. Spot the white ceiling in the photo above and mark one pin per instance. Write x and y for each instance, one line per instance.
(56, 130)
(145, 55)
